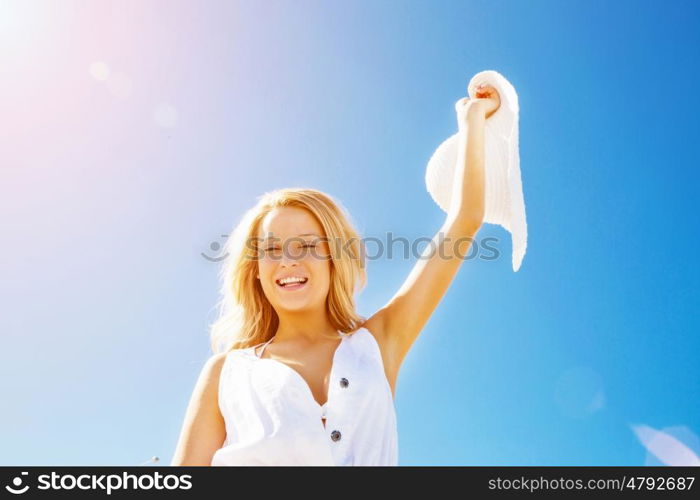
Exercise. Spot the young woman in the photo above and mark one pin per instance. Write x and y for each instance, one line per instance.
(299, 378)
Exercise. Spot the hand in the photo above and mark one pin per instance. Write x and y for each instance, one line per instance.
(486, 102)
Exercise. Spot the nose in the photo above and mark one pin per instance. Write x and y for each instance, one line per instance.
(289, 263)
(288, 260)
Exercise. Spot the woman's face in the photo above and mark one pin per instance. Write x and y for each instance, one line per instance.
(292, 244)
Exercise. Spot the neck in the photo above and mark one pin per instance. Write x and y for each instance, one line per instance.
(305, 326)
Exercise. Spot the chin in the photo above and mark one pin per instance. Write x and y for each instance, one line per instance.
(297, 305)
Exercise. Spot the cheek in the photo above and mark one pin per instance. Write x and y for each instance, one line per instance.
(264, 271)
(321, 270)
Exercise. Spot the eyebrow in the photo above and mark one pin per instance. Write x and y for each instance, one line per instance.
(303, 234)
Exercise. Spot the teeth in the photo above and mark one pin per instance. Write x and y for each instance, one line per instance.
(292, 279)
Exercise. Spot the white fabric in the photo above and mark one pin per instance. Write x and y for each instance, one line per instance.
(504, 201)
(272, 417)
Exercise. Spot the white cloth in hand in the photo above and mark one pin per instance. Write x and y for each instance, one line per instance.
(504, 201)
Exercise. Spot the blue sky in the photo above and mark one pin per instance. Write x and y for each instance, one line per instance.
(135, 135)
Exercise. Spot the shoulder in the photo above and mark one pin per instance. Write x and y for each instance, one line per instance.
(207, 386)
(204, 427)
(216, 361)
(375, 326)
(387, 350)
(212, 368)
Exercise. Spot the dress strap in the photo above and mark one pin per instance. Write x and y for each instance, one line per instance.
(263, 349)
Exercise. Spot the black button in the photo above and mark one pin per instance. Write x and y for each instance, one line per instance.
(344, 382)
(335, 435)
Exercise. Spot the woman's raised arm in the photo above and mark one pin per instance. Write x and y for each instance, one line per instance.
(399, 322)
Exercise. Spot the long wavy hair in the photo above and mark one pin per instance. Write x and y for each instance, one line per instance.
(246, 318)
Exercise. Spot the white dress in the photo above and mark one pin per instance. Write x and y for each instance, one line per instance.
(272, 417)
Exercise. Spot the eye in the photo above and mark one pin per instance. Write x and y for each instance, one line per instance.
(309, 245)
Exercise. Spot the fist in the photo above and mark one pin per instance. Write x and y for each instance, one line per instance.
(486, 102)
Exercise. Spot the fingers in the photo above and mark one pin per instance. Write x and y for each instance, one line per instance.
(487, 92)
(484, 91)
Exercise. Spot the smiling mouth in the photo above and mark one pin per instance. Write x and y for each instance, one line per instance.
(294, 285)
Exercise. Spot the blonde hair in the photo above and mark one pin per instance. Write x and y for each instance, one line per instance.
(246, 317)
